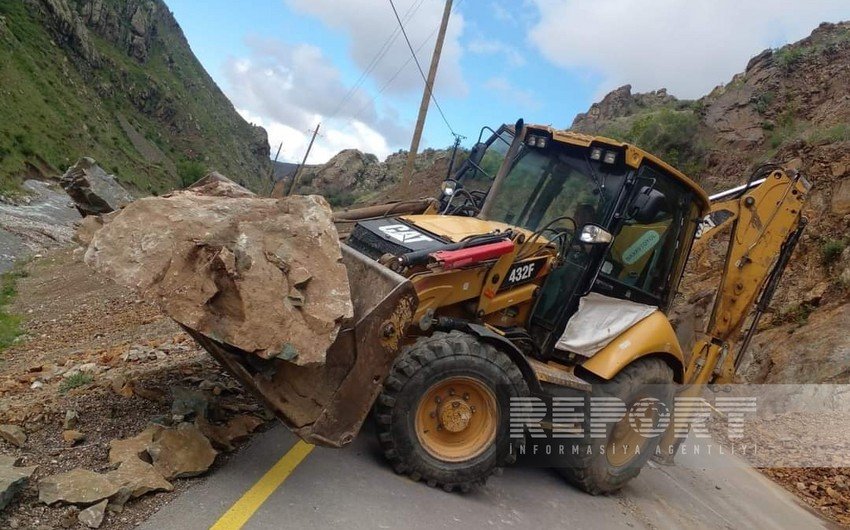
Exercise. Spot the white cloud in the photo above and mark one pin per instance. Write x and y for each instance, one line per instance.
(687, 47)
(333, 138)
(369, 23)
(288, 89)
(484, 46)
(513, 94)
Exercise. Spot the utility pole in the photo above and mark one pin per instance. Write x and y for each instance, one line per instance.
(426, 97)
(274, 166)
(304, 161)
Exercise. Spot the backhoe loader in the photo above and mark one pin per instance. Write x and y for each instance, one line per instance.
(551, 275)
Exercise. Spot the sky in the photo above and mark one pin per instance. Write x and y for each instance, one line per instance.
(288, 65)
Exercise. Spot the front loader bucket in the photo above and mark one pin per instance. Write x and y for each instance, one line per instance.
(326, 404)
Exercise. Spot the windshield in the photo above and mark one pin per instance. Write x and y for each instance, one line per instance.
(544, 184)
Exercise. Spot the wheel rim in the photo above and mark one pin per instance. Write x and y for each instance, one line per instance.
(457, 419)
(623, 441)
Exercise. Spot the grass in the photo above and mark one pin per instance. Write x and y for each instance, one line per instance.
(10, 324)
(56, 110)
(796, 314)
(77, 380)
(831, 250)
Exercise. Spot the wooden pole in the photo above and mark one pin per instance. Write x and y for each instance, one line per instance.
(274, 166)
(426, 97)
(297, 174)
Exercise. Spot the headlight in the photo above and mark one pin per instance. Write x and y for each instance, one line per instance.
(610, 157)
(596, 153)
(531, 140)
(542, 141)
(594, 234)
(448, 187)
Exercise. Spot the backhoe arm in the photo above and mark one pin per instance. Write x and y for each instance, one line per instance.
(766, 223)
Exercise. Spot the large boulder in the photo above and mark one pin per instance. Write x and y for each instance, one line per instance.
(93, 191)
(12, 479)
(264, 275)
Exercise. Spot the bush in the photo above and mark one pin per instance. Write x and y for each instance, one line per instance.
(668, 134)
(831, 250)
(190, 172)
(76, 380)
(788, 56)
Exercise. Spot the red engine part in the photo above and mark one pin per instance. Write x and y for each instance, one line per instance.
(453, 259)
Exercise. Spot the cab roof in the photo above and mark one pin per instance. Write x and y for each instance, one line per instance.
(634, 156)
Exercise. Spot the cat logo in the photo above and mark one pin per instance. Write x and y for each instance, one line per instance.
(404, 233)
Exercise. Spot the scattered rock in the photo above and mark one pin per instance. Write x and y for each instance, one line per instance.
(93, 515)
(138, 478)
(188, 403)
(235, 430)
(181, 452)
(132, 448)
(12, 480)
(841, 198)
(78, 486)
(72, 419)
(13, 434)
(73, 437)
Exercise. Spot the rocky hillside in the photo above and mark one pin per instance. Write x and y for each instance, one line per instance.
(117, 81)
(791, 105)
(355, 178)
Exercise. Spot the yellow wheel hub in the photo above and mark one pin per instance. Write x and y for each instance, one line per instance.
(457, 419)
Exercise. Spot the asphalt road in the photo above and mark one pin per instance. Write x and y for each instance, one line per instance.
(354, 488)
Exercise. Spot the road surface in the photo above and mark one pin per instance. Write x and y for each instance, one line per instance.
(354, 488)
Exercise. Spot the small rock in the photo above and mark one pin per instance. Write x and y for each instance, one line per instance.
(12, 481)
(36, 385)
(188, 402)
(93, 515)
(181, 452)
(71, 419)
(13, 434)
(73, 437)
(139, 478)
(78, 486)
(132, 448)
(156, 395)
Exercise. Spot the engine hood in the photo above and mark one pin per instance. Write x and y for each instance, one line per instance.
(455, 228)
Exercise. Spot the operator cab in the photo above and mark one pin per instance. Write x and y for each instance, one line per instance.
(622, 222)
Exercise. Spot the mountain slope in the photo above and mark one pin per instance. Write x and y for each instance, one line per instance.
(115, 80)
(790, 106)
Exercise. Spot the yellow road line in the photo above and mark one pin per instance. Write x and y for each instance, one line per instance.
(244, 508)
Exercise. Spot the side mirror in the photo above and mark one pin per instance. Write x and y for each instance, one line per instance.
(477, 153)
(594, 235)
(646, 206)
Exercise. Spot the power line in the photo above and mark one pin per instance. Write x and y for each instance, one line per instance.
(419, 67)
(399, 71)
(382, 51)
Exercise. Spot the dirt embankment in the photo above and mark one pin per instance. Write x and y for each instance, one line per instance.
(91, 347)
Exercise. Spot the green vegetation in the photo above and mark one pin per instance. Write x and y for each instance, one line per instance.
(9, 323)
(831, 250)
(796, 314)
(141, 118)
(190, 172)
(835, 133)
(762, 101)
(666, 133)
(77, 380)
(786, 128)
(787, 57)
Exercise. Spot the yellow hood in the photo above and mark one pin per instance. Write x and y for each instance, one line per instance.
(456, 228)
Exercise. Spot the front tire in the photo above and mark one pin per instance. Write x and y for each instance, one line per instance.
(439, 417)
(598, 472)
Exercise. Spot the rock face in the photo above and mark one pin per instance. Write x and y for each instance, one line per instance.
(263, 275)
(79, 486)
(93, 191)
(181, 452)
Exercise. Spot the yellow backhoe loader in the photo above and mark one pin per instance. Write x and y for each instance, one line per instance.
(544, 269)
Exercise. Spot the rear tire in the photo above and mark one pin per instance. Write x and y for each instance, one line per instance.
(598, 473)
(439, 416)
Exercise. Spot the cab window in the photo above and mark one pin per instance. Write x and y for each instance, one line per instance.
(644, 253)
